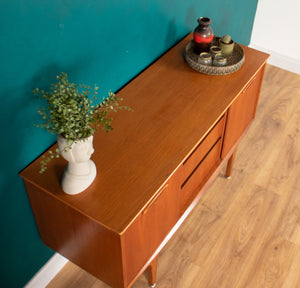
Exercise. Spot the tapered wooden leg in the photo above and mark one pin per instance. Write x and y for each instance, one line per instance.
(230, 165)
(152, 269)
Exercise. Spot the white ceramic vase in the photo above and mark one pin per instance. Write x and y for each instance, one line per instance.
(81, 170)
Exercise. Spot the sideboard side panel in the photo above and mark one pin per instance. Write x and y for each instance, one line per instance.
(77, 237)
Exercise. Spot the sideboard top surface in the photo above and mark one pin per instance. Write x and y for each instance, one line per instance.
(174, 108)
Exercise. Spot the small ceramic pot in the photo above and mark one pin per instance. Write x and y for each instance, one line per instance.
(227, 48)
(205, 59)
(220, 60)
(215, 50)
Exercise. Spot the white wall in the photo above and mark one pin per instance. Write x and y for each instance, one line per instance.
(276, 30)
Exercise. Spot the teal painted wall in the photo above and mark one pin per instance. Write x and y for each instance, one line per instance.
(106, 42)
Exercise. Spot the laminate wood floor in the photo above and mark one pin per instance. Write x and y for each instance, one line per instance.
(245, 232)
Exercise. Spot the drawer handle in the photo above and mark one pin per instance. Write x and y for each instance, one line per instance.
(249, 84)
(155, 198)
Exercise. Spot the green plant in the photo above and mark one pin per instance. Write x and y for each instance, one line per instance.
(72, 111)
(226, 39)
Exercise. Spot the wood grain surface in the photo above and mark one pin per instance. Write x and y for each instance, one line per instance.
(246, 231)
(147, 145)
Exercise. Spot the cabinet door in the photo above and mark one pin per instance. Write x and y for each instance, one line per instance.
(242, 112)
(149, 229)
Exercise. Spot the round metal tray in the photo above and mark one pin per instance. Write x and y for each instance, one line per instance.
(234, 61)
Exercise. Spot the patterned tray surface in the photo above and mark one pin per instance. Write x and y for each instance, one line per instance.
(234, 61)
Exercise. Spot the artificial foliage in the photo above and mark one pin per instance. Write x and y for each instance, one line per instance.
(72, 111)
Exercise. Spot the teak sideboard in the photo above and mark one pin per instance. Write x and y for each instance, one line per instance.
(152, 168)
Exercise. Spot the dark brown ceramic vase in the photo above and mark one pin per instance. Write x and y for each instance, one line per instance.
(203, 35)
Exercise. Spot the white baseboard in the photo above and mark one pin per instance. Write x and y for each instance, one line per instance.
(279, 60)
(44, 276)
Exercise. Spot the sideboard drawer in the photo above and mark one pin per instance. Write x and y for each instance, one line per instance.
(191, 184)
(202, 149)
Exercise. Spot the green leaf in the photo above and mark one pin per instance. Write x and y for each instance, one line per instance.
(71, 110)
